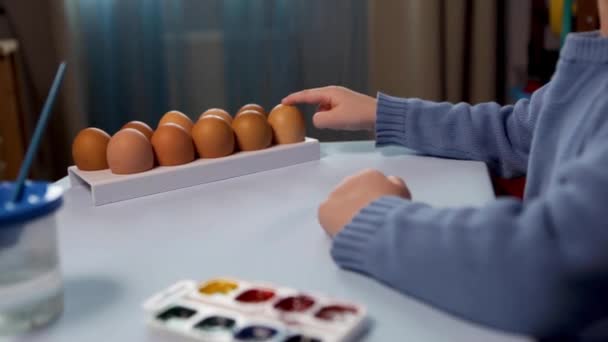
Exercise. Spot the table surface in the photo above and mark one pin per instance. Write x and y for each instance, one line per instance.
(256, 227)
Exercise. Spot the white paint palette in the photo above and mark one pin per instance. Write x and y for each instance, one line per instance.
(227, 309)
(106, 187)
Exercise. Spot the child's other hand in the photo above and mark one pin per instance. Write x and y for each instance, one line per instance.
(355, 193)
(338, 108)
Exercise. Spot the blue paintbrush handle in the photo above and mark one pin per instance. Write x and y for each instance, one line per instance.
(40, 127)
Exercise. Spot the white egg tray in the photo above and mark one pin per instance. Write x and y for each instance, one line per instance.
(184, 310)
(106, 187)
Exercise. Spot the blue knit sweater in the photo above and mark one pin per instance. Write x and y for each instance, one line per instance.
(537, 266)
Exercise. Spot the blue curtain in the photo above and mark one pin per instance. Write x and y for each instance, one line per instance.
(142, 58)
(124, 66)
(261, 51)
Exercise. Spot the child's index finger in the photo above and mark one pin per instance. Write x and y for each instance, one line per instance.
(310, 96)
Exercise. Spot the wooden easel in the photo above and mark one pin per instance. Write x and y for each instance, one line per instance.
(568, 16)
(587, 16)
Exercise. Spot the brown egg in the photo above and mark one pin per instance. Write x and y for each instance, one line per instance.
(129, 151)
(252, 131)
(252, 106)
(219, 112)
(288, 126)
(213, 137)
(178, 118)
(89, 149)
(140, 126)
(172, 145)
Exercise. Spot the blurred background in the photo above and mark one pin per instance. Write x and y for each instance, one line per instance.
(137, 59)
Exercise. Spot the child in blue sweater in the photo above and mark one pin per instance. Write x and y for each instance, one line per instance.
(537, 266)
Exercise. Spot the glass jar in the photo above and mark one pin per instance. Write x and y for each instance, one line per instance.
(31, 285)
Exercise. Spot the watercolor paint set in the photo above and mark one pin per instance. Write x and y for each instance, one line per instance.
(226, 309)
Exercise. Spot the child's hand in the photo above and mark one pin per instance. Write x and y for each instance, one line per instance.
(355, 193)
(339, 108)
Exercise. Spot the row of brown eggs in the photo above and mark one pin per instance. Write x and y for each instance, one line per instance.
(177, 140)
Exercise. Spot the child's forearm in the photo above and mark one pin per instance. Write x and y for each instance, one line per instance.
(487, 132)
(538, 269)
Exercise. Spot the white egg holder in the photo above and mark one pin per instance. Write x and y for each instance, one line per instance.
(185, 294)
(106, 187)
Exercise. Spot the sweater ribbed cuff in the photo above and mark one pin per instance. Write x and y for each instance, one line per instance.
(586, 47)
(390, 120)
(352, 247)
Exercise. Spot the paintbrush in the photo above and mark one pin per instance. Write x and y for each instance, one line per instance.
(40, 127)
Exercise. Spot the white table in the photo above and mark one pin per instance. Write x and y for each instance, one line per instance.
(115, 256)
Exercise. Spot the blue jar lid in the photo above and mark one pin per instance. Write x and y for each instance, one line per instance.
(39, 199)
